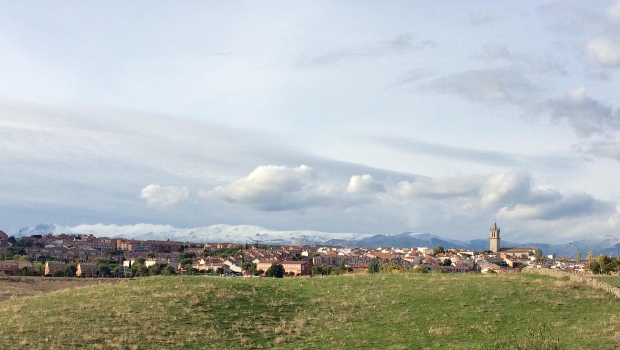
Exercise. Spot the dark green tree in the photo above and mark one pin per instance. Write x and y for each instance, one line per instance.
(322, 270)
(276, 270)
(439, 249)
(138, 270)
(104, 270)
(187, 255)
(373, 266)
(168, 270)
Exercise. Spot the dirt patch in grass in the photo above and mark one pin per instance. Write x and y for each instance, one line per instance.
(16, 287)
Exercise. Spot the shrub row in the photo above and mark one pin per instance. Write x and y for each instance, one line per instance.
(592, 282)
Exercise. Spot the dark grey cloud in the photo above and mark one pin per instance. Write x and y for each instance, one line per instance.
(584, 114)
(567, 206)
(608, 148)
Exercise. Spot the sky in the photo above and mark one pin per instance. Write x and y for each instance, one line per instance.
(335, 116)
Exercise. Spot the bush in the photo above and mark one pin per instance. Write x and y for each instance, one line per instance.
(276, 270)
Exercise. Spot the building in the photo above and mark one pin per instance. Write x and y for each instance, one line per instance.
(494, 239)
(9, 268)
(519, 252)
(87, 270)
(298, 268)
(53, 266)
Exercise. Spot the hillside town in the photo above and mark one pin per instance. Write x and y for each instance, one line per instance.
(86, 255)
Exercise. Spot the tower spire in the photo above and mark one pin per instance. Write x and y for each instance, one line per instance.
(494, 238)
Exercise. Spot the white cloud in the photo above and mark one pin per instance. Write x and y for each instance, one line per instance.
(613, 12)
(274, 188)
(163, 196)
(505, 189)
(604, 51)
(364, 184)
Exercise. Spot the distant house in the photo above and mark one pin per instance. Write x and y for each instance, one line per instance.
(25, 266)
(9, 268)
(53, 266)
(265, 264)
(298, 268)
(3, 237)
(87, 270)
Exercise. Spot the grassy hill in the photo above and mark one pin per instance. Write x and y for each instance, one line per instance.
(404, 311)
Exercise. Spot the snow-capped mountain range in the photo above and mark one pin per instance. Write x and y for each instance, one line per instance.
(256, 234)
(215, 233)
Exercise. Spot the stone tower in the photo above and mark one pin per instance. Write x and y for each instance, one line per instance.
(494, 239)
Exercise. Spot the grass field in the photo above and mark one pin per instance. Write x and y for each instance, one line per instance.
(404, 311)
(613, 280)
(22, 286)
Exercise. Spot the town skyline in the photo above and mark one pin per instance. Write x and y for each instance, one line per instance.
(327, 116)
(248, 234)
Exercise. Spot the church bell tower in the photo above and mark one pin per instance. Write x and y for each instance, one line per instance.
(494, 238)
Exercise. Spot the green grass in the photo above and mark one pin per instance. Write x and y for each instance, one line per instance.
(613, 280)
(404, 311)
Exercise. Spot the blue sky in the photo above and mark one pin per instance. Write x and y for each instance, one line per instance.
(367, 117)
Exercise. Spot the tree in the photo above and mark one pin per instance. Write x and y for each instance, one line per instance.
(116, 271)
(39, 267)
(322, 270)
(71, 269)
(342, 268)
(249, 266)
(168, 270)
(187, 255)
(276, 270)
(186, 261)
(447, 262)
(388, 268)
(150, 256)
(373, 266)
(138, 270)
(594, 266)
(439, 249)
(590, 256)
(579, 257)
(104, 270)
(606, 264)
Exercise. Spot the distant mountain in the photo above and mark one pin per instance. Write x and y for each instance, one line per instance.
(256, 234)
(215, 233)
